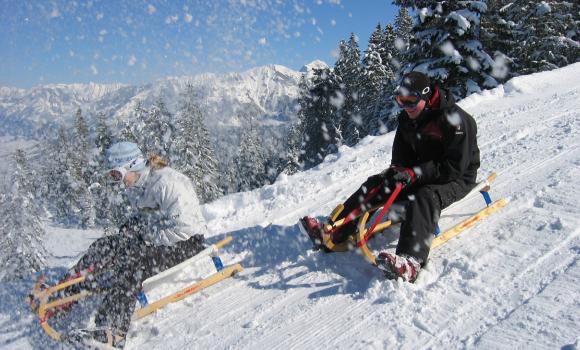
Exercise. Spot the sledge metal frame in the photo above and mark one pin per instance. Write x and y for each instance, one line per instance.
(45, 309)
(363, 235)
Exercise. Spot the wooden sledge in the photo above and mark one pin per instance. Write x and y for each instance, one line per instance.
(363, 234)
(40, 302)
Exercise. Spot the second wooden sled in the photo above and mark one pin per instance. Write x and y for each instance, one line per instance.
(44, 307)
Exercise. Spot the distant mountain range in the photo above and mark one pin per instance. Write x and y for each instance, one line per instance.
(269, 93)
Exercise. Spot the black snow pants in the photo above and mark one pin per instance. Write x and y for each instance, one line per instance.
(417, 207)
(121, 263)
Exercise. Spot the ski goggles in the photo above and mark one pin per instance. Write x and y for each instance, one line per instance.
(408, 101)
(117, 175)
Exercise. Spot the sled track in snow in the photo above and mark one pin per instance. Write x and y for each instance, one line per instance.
(564, 267)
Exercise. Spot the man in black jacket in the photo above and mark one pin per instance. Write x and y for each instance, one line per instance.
(435, 157)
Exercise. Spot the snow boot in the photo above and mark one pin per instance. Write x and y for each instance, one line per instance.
(313, 229)
(395, 266)
(98, 338)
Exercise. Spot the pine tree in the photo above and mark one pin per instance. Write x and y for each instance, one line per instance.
(194, 155)
(250, 161)
(389, 50)
(21, 230)
(547, 33)
(228, 175)
(387, 109)
(82, 171)
(103, 135)
(321, 120)
(446, 46)
(294, 148)
(158, 131)
(376, 75)
(377, 43)
(403, 33)
(497, 38)
(275, 161)
(133, 130)
(348, 72)
(63, 184)
(102, 192)
(297, 132)
(27, 177)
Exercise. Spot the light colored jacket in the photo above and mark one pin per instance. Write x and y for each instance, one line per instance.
(168, 207)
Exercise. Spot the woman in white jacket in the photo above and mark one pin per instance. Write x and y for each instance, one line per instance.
(167, 230)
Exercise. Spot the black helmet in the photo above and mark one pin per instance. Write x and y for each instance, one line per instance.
(416, 83)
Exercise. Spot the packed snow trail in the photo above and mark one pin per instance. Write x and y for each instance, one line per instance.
(510, 281)
(477, 291)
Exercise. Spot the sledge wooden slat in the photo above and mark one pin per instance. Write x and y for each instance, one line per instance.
(72, 298)
(369, 256)
(50, 331)
(54, 289)
(457, 229)
(44, 308)
(185, 292)
(223, 242)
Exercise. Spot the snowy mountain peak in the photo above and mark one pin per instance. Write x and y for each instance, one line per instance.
(316, 64)
(271, 89)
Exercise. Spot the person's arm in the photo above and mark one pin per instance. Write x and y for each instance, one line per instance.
(455, 160)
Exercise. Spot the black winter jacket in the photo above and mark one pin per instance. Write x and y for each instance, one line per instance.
(440, 145)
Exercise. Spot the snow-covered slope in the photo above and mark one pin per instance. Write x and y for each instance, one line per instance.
(509, 282)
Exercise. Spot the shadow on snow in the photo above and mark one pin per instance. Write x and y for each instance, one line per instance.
(281, 257)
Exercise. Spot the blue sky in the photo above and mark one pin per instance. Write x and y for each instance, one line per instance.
(139, 41)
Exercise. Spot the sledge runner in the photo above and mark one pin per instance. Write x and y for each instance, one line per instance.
(167, 230)
(435, 158)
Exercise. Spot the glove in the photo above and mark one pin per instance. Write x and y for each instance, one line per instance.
(394, 174)
(375, 180)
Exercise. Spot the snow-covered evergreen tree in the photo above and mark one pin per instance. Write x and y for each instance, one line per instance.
(297, 132)
(403, 32)
(102, 192)
(446, 45)
(376, 75)
(158, 131)
(321, 120)
(64, 187)
(348, 72)
(294, 148)
(547, 34)
(192, 150)
(389, 49)
(388, 110)
(103, 134)
(228, 175)
(21, 229)
(377, 44)
(275, 161)
(498, 38)
(83, 171)
(133, 130)
(250, 162)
